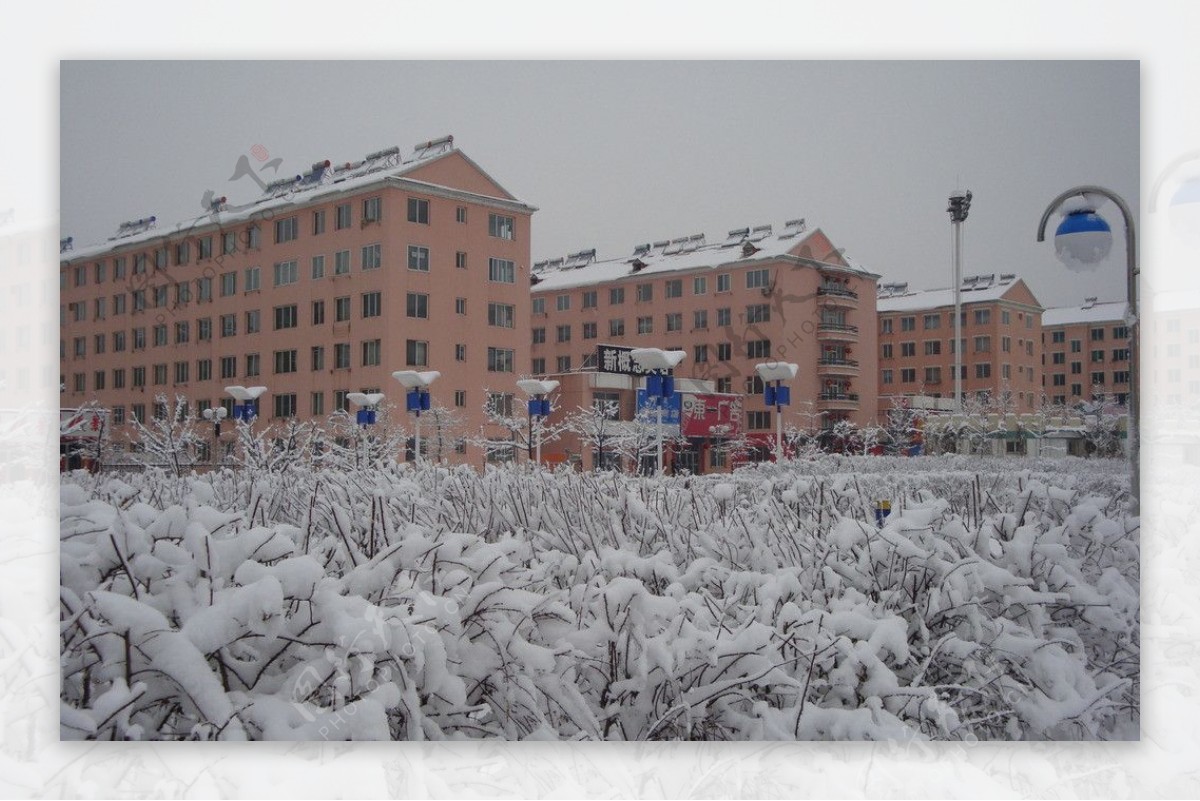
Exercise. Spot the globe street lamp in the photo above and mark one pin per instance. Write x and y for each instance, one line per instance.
(216, 414)
(660, 385)
(1082, 241)
(960, 205)
(366, 415)
(539, 407)
(416, 398)
(777, 395)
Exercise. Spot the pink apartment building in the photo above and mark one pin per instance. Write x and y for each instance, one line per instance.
(1001, 341)
(1086, 352)
(324, 286)
(758, 295)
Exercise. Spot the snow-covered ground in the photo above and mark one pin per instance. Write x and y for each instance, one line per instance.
(999, 600)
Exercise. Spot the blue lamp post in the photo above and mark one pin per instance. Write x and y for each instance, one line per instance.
(539, 407)
(776, 394)
(247, 407)
(368, 403)
(1082, 241)
(416, 396)
(660, 385)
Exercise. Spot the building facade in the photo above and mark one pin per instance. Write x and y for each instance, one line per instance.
(324, 286)
(1001, 342)
(1086, 353)
(757, 296)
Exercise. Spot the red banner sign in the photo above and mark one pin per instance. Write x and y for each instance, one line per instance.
(711, 415)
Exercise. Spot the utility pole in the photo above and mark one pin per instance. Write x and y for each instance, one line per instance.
(960, 204)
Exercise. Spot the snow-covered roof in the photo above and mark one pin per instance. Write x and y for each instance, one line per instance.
(975, 289)
(1089, 312)
(691, 252)
(323, 179)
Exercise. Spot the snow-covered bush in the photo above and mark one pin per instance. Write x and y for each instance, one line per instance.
(440, 603)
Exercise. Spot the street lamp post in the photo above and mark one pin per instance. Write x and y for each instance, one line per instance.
(216, 414)
(660, 385)
(1082, 240)
(539, 408)
(776, 394)
(245, 407)
(960, 205)
(368, 403)
(416, 399)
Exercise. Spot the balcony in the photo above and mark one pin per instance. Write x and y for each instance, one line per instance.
(831, 365)
(837, 400)
(837, 296)
(840, 332)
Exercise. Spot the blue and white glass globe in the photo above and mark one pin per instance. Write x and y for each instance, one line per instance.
(1083, 239)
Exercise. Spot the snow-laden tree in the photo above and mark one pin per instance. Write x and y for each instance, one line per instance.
(599, 430)
(640, 443)
(508, 429)
(442, 429)
(346, 445)
(172, 438)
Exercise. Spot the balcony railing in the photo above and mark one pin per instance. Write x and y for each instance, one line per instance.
(837, 291)
(838, 396)
(833, 361)
(832, 326)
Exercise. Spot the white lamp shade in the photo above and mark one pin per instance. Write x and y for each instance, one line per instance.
(656, 358)
(245, 393)
(365, 399)
(532, 386)
(777, 371)
(215, 413)
(411, 379)
(1083, 239)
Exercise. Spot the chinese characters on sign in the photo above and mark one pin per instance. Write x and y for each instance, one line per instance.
(616, 359)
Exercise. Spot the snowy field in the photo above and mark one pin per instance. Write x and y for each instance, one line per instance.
(999, 601)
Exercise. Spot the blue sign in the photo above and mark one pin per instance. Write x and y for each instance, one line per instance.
(539, 407)
(670, 413)
(416, 401)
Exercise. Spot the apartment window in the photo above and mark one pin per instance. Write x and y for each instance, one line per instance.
(160, 374)
(341, 356)
(80, 347)
(645, 325)
(318, 219)
(286, 230)
(1120, 355)
(460, 214)
(341, 400)
(1058, 337)
(983, 344)
(983, 370)
(139, 338)
(204, 369)
(160, 297)
(616, 296)
(886, 376)
(416, 353)
(983, 316)
(616, 328)
(674, 288)
(228, 244)
(139, 265)
(644, 293)
(700, 320)
(119, 378)
(1076, 368)
(418, 211)
(502, 315)
(501, 271)
(1098, 379)
(908, 323)
(460, 353)
(181, 372)
(674, 322)
(908, 375)
(933, 347)
(183, 293)
(341, 217)
(1060, 380)
(372, 209)
(285, 405)
(589, 299)
(758, 420)
(318, 312)
(1121, 332)
(1005, 344)
(885, 325)
(563, 333)
(724, 351)
(758, 313)
(286, 273)
(341, 309)
(119, 303)
(1077, 390)
(500, 360)
(253, 275)
(372, 257)
(539, 366)
(139, 377)
(417, 305)
(758, 279)
(700, 285)
(539, 336)
(908, 349)
(418, 258)
(563, 364)
(1076, 346)
(372, 304)
(118, 341)
(182, 333)
(562, 303)
(1006, 371)
(317, 359)
(1005, 317)
(316, 401)
(253, 321)
(118, 268)
(160, 335)
(160, 259)
(1121, 377)
(371, 356)
(500, 226)
(228, 367)
(341, 262)
(286, 316)
(724, 317)
(932, 321)
(460, 305)
(253, 364)
(758, 349)
(204, 289)
(1097, 334)
(539, 306)
(1097, 355)
(700, 354)
(724, 282)
(589, 331)
(1058, 358)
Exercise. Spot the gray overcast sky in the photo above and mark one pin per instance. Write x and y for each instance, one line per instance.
(615, 153)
